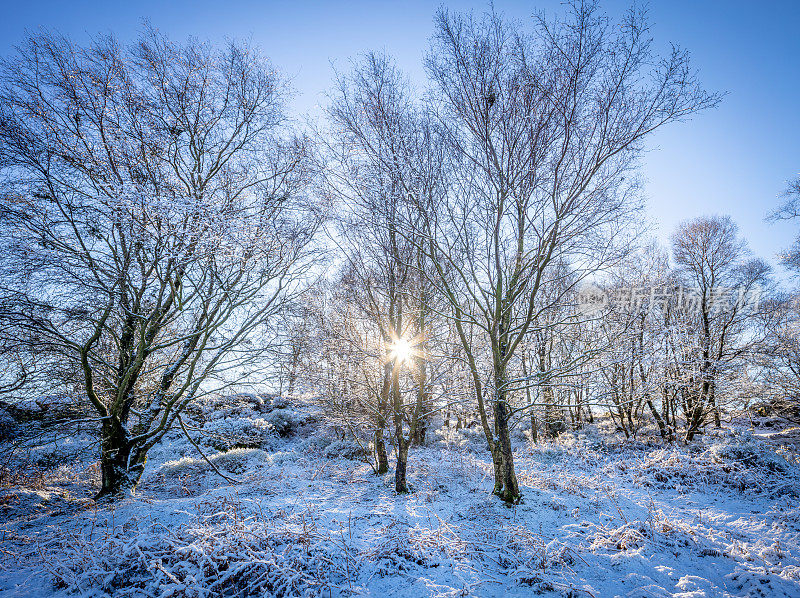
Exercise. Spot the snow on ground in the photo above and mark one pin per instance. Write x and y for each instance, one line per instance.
(601, 517)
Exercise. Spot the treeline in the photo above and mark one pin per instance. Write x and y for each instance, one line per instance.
(471, 249)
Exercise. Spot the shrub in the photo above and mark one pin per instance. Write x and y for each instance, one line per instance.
(749, 452)
(235, 461)
(182, 466)
(229, 433)
(8, 426)
(282, 421)
(276, 402)
(315, 444)
(62, 451)
(217, 407)
(240, 460)
(345, 449)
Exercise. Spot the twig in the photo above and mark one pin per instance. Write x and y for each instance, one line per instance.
(202, 454)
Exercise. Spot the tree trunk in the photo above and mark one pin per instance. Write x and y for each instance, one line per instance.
(713, 402)
(497, 462)
(662, 429)
(420, 424)
(509, 490)
(706, 399)
(551, 420)
(383, 402)
(665, 406)
(380, 453)
(400, 484)
(534, 435)
(121, 465)
(696, 416)
(694, 423)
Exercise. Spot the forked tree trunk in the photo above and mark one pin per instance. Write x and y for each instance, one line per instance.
(704, 401)
(121, 464)
(695, 420)
(696, 415)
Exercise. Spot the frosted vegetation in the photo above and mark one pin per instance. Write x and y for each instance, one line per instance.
(418, 345)
(305, 515)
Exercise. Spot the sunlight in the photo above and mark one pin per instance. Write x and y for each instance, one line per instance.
(400, 350)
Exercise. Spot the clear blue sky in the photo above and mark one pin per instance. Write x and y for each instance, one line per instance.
(734, 160)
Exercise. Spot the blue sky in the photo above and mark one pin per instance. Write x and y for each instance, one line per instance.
(734, 160)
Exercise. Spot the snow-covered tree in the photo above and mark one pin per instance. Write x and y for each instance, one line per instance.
(722, 287)
(545, 128)
(153, 222)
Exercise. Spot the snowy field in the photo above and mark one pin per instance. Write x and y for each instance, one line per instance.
(302, 516)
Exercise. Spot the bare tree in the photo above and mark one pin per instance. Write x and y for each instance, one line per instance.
(789, 210)
(349, 372)
(545, 129)
(723, 288)
(383, 151)
(778, 353)
(154, 214)
(632, 363)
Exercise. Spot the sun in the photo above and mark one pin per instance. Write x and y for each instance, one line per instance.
(400, 350)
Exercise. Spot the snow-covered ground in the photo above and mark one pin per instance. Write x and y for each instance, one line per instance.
(601, 517)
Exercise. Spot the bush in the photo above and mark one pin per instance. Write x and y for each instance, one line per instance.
(173, 470)
(240, 460)
(474, 439)
(738, 461)
(274, 410)
(229, 433)
(230, 406)
(63, 451)
(235, 461)
(282, 421)
(787, 408)
(8, 426)
(282, 459)
(520, 434)
(749, 452)
(345, 449)
(48, 410)
(276, 402)
(315, 444)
